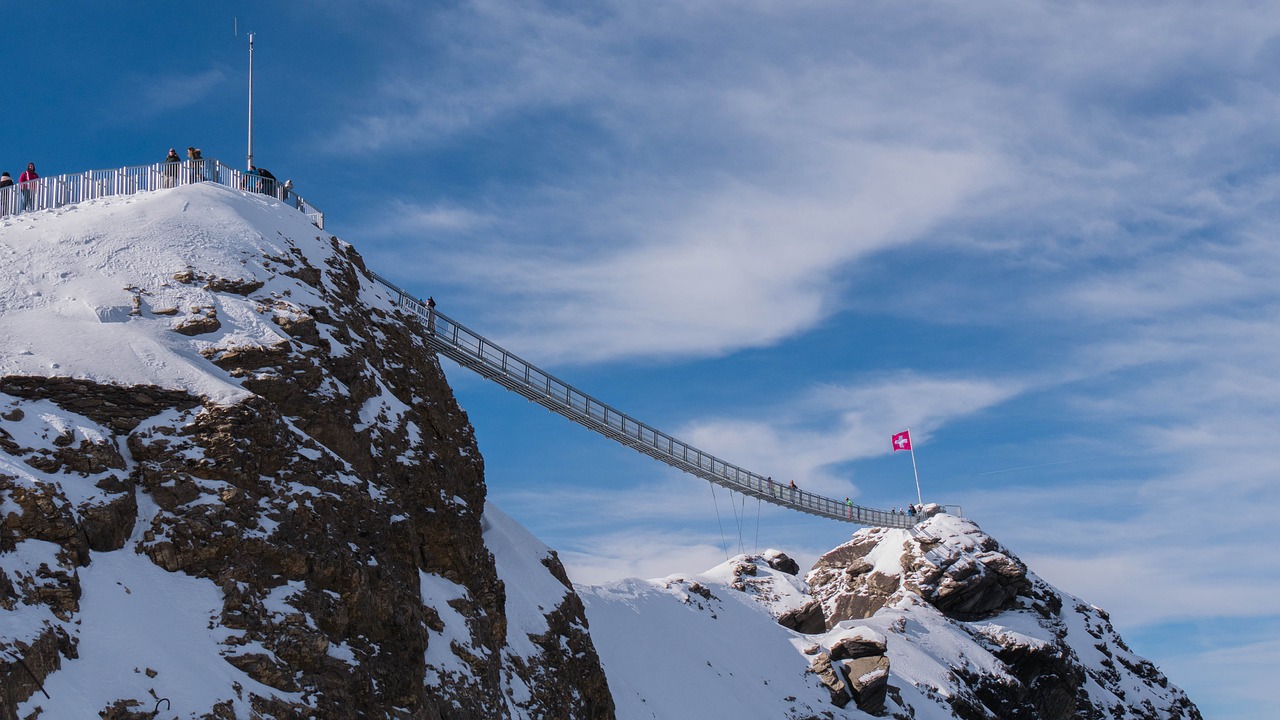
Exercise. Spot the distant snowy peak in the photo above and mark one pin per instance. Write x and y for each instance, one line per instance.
(934, 623)
(971, 630)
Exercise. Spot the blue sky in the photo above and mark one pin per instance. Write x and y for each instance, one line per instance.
(1042, 235)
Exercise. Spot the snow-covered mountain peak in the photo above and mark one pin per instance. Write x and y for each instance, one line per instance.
(97, 290)
(234, 483)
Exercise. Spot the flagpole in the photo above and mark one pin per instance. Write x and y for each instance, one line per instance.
(919, 497)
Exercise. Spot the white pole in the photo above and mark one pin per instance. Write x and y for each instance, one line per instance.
(250, 160)
(919, 497)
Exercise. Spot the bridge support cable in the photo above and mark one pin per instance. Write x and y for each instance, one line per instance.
(480, 355)
(724, 544)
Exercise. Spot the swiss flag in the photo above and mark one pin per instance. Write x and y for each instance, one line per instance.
(902, 441)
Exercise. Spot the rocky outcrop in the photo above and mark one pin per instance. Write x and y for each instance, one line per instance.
(326, 504)
(781, 562)
(869, 682)
(832, 677)
(968, 583)
(950, 577)
(807, 619)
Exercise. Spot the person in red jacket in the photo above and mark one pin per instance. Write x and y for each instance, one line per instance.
(25, 181)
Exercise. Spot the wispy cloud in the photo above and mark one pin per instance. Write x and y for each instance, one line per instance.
(168, 92)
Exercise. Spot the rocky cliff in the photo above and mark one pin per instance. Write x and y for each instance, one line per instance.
(234, 483)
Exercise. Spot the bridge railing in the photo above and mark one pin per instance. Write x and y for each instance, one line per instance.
(57, 191)
(475, 352)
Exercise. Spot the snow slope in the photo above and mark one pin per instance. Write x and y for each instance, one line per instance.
(710, 645)
(69, 283)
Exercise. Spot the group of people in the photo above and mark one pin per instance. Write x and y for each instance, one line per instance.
(195, 167)
(778, 489)
(11, 202)
(255, 179)
(27, 193)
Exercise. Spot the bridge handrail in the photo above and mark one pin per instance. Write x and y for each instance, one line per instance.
(55, 191)
(454, 340)
(475, 352)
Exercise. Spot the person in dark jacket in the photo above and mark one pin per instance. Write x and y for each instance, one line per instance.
(202, 169)
(267, 185)
(26, 182)
(6, 182)
(172, 168)
(195, 171)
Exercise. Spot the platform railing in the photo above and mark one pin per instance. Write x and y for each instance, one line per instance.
(47, 193)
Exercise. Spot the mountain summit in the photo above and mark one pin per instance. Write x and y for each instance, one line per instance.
(234, 483)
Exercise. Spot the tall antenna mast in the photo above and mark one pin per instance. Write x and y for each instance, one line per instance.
(250, 158)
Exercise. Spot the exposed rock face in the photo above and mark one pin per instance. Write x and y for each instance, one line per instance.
(807, 619)
(860, 577)
(832, 676)
(781, 562)
(869, 682)
(1064, 660)
(337, 507)
(856, 658)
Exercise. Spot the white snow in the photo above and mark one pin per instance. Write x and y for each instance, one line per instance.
(69, 281)
(143, 617)
(671, 652)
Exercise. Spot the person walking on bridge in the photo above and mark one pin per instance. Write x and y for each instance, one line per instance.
(793, 487)
(849, 505)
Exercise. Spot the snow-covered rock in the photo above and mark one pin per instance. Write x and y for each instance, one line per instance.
(935, 623)
(234, 483)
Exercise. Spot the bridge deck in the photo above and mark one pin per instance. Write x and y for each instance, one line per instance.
(474, 352)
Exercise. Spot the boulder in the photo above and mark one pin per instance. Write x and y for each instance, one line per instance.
(868, 682)
(832, 677)
(807, 619)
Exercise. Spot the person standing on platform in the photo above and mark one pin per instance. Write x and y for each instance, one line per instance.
(26, 183)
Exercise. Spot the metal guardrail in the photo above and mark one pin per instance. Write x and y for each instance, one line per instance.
(57, 191)
(474, 352)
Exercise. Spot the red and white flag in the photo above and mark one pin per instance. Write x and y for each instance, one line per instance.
(902, 441)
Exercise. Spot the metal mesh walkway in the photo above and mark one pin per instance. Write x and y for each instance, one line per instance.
(473, 351)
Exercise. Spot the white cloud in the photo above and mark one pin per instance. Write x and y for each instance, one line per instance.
(169, 92)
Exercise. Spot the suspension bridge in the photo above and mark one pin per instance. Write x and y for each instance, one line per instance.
(462, 345)
(473, 351)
